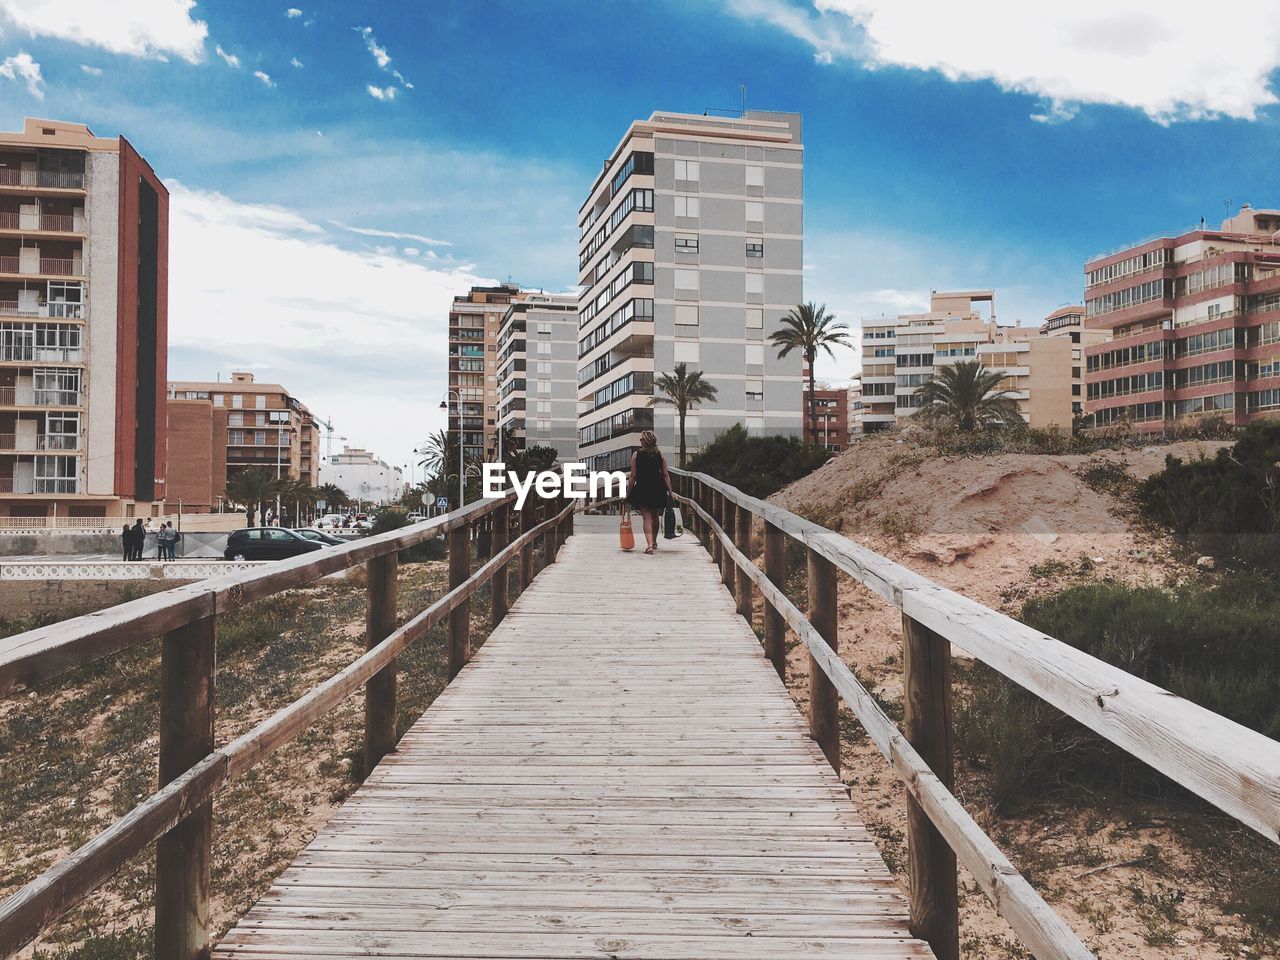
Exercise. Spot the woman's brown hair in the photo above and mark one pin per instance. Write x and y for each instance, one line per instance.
(648, 440)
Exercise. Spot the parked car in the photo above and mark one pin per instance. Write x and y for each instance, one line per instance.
(319, 536)
(415, 517)
(331, 521)
(268, 543)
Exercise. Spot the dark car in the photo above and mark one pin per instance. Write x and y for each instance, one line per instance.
(319, 536)
(268, 543)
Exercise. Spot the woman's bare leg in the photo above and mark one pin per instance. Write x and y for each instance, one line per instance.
(651, 528)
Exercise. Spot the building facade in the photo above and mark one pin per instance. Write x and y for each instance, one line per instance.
(362, 476)
(84, 253)
(690, 249)
(900, 355)
(1068, 321)
(475, 318)
(831, 415)
(1194, 326)
(256, 424)
(538, 371)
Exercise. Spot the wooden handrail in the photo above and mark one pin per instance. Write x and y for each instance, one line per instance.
(1233, 767)
(181, 801)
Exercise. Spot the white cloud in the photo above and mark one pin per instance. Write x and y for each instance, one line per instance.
(1171, 60)
(91, 71)
(381, 93)
(391, 234)
(140, 28)
(379, 53)
(357, 336)
(295, 63)
(22, 69)
(293, 13)
(264, 77)
(230, 59)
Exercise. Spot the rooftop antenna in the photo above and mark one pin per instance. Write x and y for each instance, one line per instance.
(742, 91)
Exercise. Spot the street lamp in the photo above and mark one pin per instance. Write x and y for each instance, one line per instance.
(444, 405)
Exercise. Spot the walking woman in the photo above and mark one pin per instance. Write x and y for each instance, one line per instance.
(649, 486)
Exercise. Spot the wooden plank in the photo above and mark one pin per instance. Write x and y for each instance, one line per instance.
(380, 690)
(581, 789)
(1225, 763)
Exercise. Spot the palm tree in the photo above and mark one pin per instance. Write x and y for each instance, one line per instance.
(809, 328)
(682, 390)
(334, 497)
(249, 488)
(968, 395)
(435, 452)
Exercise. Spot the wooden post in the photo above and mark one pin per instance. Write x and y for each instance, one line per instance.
(380, 690)
(927, 724)
(728, 523)
(824, 704)
(528, 520)
(775, 627)
(460, 616)
(713, 510)
(498, 601)
(742, 540)
(548, 538)
(185, 853)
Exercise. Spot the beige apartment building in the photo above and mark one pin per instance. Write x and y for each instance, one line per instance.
(84, 224)
(538, 371)
(475, 320)
(899, 355)
(263, 424)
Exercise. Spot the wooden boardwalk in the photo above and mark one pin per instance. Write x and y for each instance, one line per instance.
(618, 773)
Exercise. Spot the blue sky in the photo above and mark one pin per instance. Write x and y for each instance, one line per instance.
(333, 185)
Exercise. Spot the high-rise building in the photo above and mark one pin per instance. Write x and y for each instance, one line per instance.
(261, 425)
(474, 321)
(899, 355)
(538, 373)
(84, 226)
(690, 250)
(1068, 321)
(1194, 321)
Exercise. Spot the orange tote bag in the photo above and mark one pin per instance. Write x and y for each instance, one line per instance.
(626, 539)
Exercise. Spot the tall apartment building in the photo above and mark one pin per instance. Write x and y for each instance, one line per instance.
(362, 476)
(474, 321)
(538, 371)
(690, 250)
(902, 354)
(1194, 321)
(1068, 321)
(831, 416)
(855, 409)
(84, 253)
(263, 425)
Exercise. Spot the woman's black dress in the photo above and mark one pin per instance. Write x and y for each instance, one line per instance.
(649, 492)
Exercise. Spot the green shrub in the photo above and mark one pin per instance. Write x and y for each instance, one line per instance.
(1216, 647)
(132, 944)
(758, 466)
(1229, 504)
(393, 518)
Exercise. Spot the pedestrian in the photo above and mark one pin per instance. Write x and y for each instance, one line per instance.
(173, 541)
(126, 543)
(164, 542)
(138, 539)
(649, 486)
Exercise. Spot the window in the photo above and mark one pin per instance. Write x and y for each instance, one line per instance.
(686, 206)
(755, 354)
(687, 170)
(755, 283)
(686, 243)
(260, 438)
(686, 314)
(235, 438)
(237, 401)
(544, 406)
(755, 247)
(260, 401)
(217, 399)
(686, 279)
(544, 348)
(544, 368)
(686, 351)
(755, 389)
(755, 211)
(235, 419)
(755, 175)
(755, 318)
(544, 387)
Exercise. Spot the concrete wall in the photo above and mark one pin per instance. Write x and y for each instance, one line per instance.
(102, 265)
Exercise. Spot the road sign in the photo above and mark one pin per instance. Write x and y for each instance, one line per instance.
(426, 499)
(442, 503)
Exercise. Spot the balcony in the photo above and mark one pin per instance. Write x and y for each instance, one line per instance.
(46, 179)
(57, 310)
(26, 353)
(11, 443)
(42, 266)
(41, 222)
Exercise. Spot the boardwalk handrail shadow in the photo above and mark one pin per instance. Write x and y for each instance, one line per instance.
(178, 817)
(1224, 763)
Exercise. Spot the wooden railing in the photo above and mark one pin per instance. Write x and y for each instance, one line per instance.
(1226, 764)
(178, 817)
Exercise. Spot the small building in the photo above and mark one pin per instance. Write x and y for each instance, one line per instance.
(362, 476)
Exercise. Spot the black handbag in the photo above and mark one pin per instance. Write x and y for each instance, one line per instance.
(669, 523)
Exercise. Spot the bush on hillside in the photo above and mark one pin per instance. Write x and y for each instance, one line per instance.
(758, 466)
(1228, 504)
(393, 518)
(1217, 647)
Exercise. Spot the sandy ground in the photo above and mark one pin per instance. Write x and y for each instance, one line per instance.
(999, 529)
